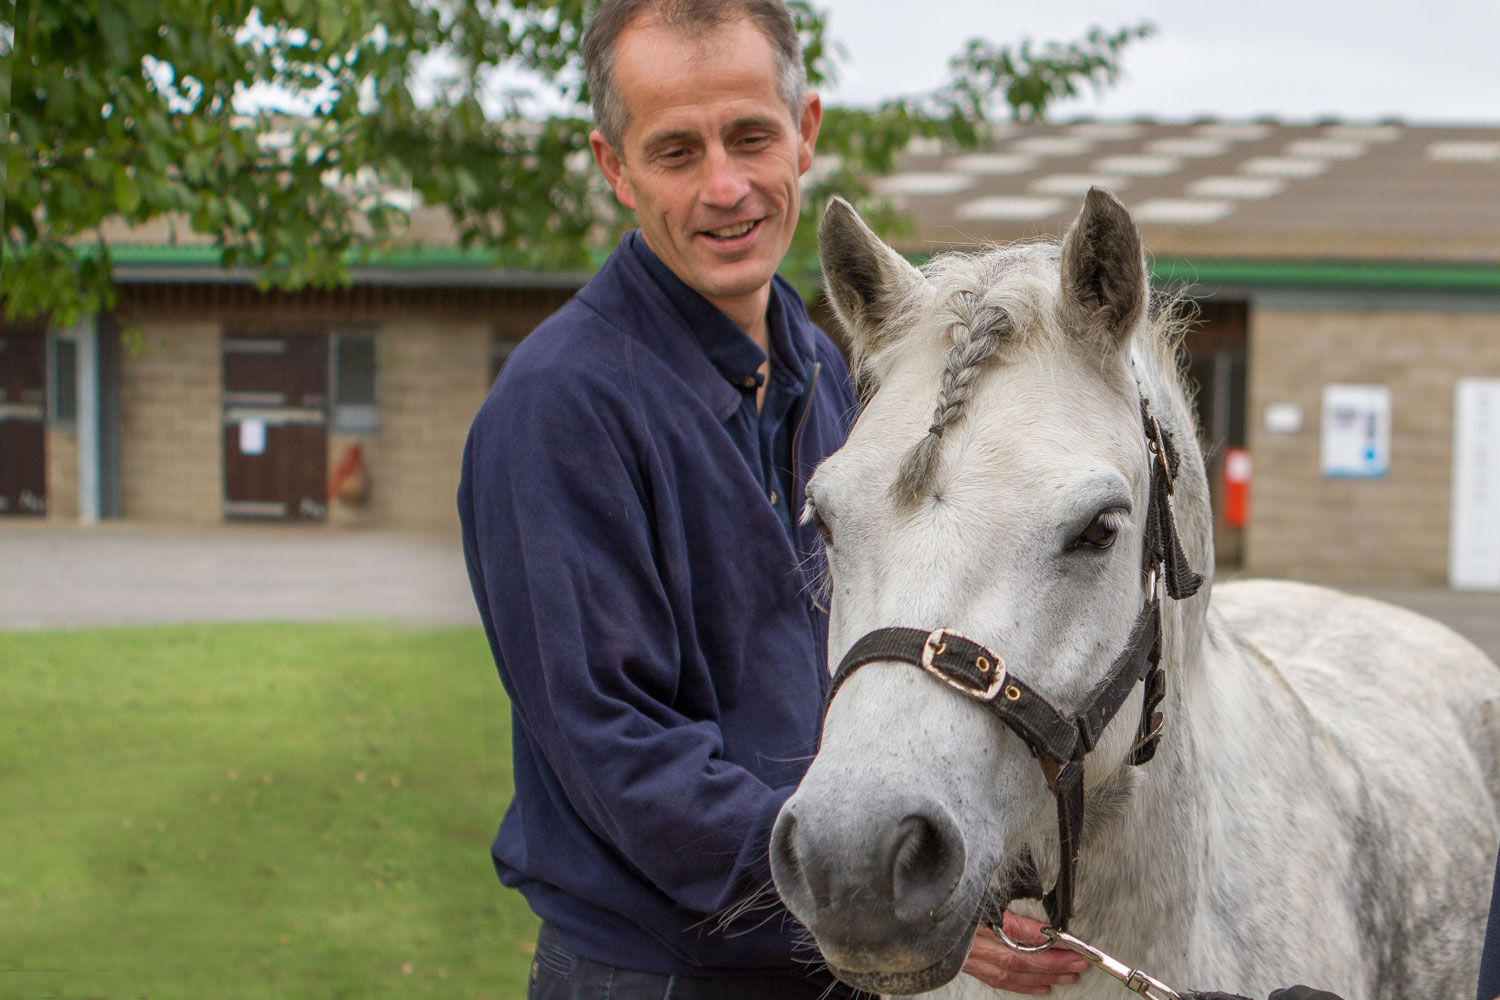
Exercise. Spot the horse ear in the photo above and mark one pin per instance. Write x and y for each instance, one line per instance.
(1104, 268)
(866, 281)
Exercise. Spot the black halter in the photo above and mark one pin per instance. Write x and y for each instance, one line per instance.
(1060, 742)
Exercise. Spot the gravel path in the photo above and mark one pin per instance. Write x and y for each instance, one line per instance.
(54, 576)
(118, 573)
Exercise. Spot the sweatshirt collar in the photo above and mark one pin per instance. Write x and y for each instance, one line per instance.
(729, 348)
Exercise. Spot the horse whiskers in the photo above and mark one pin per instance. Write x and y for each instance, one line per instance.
(795, 758)
(820, 586)
(991, 908)
(814, 962)
(762, 901)
(805, 952)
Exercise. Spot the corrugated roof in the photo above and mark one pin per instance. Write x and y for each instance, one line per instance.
(1253, 191)
(1255, 202)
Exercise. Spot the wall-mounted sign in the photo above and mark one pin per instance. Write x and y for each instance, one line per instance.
(252, 437)
(1474, 530)
(1356, 431)
(1283, 418)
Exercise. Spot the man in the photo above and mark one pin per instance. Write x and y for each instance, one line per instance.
(1489, 956)
(629, 502)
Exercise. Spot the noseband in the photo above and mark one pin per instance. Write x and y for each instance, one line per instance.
(1060, 742)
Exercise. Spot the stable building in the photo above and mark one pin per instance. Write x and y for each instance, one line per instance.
(1347, 279)
(203, 399)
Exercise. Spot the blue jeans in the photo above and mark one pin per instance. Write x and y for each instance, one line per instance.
(559, 974)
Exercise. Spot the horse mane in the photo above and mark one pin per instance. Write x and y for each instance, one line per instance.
(1006, 296)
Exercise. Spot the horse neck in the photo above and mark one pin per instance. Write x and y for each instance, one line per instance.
(1140, 867)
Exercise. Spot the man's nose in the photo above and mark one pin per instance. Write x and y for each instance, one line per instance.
(725, 184)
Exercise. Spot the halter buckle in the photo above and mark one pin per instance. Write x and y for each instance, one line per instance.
(937, 644)
(1157, 445)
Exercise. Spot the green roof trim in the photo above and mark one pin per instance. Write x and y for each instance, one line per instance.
(178, 256)
(412, 258)
(1343, 275)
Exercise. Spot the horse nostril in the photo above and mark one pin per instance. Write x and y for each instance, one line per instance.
(787, 873)
(925, 857)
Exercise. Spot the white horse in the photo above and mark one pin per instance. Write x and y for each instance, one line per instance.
(1321, 807)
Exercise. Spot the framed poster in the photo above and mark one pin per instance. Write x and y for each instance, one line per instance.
(1356, 441)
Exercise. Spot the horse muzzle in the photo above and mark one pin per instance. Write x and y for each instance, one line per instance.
(885, 898)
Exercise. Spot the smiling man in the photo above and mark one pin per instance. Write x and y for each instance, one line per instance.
(629, 507)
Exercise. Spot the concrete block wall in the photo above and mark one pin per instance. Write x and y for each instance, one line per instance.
(432, 376)
(62, 474)
(172, 423)
(1389, 531)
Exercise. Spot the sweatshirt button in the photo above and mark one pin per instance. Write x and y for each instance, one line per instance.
(748, 383)
(774, 497)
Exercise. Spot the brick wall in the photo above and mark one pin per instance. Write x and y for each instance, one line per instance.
(171, 422)
(1392, 530)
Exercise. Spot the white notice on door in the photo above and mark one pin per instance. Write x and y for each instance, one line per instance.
(1474, 532)
(252, 437)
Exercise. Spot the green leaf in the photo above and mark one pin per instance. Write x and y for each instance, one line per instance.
(127, 192)
(237, 214)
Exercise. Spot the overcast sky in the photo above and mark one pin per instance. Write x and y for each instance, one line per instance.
(1423, 61)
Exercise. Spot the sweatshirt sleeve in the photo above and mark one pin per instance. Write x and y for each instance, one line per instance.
(1489, 961)
(590, 642)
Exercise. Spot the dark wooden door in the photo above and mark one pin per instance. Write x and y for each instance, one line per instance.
(23, 422)
(276, 427)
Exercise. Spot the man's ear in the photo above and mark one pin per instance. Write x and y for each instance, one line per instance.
(812, 120)
(612, 167)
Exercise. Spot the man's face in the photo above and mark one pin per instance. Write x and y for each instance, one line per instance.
(711, 158)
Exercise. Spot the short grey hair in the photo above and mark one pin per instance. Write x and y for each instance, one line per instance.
(691, 17)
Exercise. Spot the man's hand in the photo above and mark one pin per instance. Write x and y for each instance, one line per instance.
(994, 964)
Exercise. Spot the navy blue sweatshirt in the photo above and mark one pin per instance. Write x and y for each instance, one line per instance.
(1489, 960)
(654, 616)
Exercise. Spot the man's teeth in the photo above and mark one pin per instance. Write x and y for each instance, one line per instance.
(730, 232)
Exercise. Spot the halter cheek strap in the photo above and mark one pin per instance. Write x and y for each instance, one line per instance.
(1061, 742)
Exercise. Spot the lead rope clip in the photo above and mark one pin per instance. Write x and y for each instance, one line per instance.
(1133, 980)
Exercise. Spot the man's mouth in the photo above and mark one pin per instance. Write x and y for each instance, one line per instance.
(733, 232)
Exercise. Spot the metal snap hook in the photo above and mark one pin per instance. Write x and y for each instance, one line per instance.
(1047, 932)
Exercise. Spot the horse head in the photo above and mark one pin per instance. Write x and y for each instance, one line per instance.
(997, 484)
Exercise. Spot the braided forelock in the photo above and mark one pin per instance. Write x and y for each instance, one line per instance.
(975, 334)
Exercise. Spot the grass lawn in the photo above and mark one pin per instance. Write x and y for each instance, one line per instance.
(254, 811)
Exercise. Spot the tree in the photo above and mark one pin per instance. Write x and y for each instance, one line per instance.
(280, 128)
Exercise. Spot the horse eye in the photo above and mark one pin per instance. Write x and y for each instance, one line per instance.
(1102, 530)
(810, 513)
